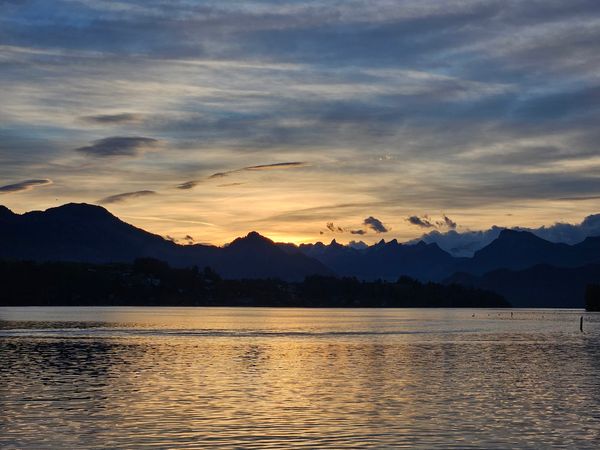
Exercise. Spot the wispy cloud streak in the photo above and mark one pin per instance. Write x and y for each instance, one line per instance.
(274, 166)
(118, 146)
(118, 198)
(24, 186)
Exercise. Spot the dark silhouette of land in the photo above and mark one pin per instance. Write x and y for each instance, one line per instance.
(87, 233)
(540, 286)
(523, 268)
(150, 282)
(592, 297)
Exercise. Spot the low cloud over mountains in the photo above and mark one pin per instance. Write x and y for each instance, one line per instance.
(465, 243)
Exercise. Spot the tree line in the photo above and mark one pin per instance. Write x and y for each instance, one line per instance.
(150, 282)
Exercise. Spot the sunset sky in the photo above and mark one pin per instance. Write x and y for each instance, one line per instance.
(303, 120)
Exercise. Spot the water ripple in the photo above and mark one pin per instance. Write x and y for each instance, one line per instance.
(269, 378)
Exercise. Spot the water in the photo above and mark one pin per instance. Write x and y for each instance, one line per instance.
(319, 378)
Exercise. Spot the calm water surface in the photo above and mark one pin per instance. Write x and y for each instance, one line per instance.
(320, 378)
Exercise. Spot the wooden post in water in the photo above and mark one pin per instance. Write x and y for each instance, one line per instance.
(581, 324)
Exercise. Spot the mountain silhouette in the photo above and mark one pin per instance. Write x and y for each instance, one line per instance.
(385, 260)
(76, 232)
(91, 234)
(256, 256)
(541, 286)
(519, 250)
(88, 233)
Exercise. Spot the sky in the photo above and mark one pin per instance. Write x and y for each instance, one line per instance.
(303, 120)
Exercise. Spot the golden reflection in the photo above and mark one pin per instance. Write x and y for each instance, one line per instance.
(269, 377)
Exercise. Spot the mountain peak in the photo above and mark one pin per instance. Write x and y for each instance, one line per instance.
(521, 235)
(5, 212)
(505, 232)
(379, 245)
(252, 239)
(85, 210)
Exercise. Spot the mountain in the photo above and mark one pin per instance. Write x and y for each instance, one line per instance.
(255, 256)
(88, 233)
(76, 232)
(343, 260)
(519, 250)
(541, 286)
(385, 260)
(422, 261)
(512, 249)
(91, 234)
(589, 248)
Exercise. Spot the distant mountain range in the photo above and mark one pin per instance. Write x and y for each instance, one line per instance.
(540, 286)
(386, 260)
(526, 269)
(87, 233)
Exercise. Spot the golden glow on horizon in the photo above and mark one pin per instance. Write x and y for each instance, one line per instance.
(220, 219)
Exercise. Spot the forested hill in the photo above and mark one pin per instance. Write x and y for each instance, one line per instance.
(151, 282)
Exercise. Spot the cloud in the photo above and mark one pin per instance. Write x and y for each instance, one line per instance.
(467, 242)
(460, 243)
(359, 232)
(449, 222)
(113, 118)
(494, 103)
(188, 185)
(580, 198)
(118, 146)
(118, 198)
(375, 224)
(426, 222)
(275, 166)
(569, 233)
(334, 228)
(423, 222)
(229, 184)
(283, 165)
(26, 185)
(370, 222)
(222, 174)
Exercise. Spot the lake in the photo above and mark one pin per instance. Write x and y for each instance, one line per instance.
(298, 378)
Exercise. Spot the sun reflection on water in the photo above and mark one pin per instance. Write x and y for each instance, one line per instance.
(262, 378)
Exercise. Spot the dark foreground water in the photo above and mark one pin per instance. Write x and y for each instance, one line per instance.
(281, 378)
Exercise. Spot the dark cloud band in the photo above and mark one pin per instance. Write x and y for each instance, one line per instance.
(422, 222)
(274, 166)
(118, 146)
(118, 198)
(24, 186)
(113, 118)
